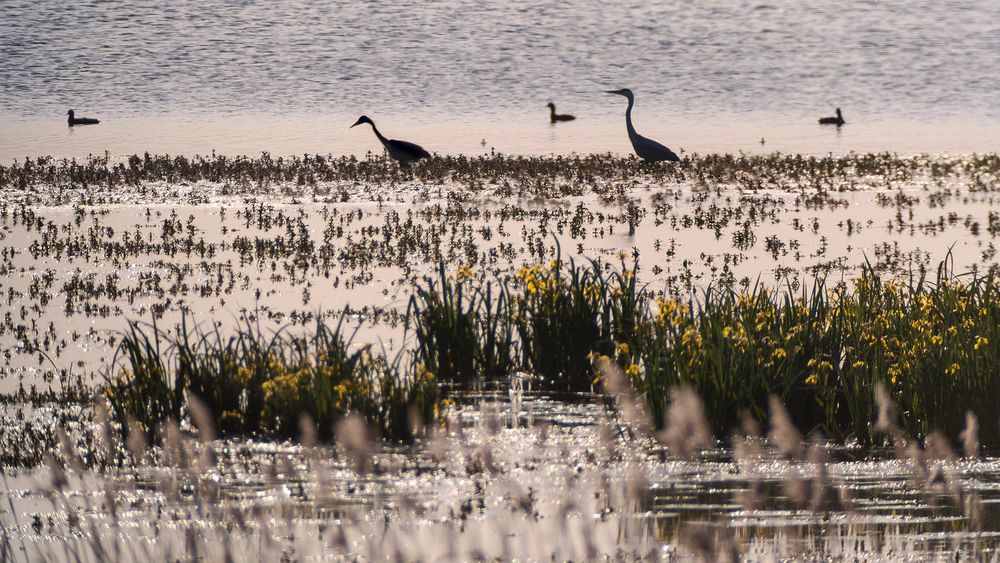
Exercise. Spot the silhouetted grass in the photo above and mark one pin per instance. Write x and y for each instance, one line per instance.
(463, 334)
(934, 344)
(257, 384)
(822, 351)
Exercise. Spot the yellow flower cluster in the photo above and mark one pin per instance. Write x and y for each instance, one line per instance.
(464, 273)
(284, 390)
(672, 312)
(535, 279)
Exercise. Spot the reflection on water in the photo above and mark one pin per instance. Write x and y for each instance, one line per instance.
(471, 57)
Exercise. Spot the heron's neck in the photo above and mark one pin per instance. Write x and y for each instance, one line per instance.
(552, 110)
(628, 117)
(377, 134)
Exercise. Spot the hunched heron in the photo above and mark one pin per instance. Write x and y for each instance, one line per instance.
(403, 151)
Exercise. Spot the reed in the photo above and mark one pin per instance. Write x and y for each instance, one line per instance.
(259, 384)
(934, 344)
(464, 334)
(823, 352)
(562, 318)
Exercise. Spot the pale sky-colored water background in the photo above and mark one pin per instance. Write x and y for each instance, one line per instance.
(290, 77)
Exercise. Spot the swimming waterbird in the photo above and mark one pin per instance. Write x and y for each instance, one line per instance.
(838, 121)
(647, 149)
(403, 151)
(73, 120)
(553, 116)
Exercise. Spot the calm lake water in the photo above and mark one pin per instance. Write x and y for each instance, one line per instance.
(466, 76)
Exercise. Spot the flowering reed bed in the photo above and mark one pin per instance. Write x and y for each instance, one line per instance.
(934, 344)
(262, 385)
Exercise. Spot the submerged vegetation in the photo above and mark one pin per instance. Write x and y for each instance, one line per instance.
(104, 179)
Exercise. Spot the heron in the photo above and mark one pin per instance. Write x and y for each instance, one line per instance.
(838, 121)
(554, 117)
(647, 149)
(73, 120)
(403, 151)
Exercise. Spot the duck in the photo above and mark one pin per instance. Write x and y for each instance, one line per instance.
(647, 149)
(402, 151)
(73, 120)
(838, 121)
(554, 117)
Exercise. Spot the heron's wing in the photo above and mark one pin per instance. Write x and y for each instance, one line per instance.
(655, 150)
(411, 148)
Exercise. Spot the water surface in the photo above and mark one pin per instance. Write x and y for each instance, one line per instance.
(243, 77)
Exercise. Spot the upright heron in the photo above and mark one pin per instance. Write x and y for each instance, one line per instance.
(403, 151)
(647, 149)
(554, 117)
(838, 121)
(73, 120)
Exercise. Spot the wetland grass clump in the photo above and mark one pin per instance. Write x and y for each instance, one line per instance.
(548, 321)
(567, 312)
(258, 384)
(559, 320)
(464, 334)
(932, 343)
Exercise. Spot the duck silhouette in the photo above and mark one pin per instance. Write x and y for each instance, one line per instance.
(73, 120)
(554, 117)
(838, 121)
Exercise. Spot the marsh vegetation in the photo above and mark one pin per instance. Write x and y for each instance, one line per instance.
(321, 345)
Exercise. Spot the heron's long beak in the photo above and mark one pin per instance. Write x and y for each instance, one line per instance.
(356, 123)
(619, 92)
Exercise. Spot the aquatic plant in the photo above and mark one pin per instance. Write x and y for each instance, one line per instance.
(824, 352)
(562, 318)
(257, 384)
(100, 176)
(463, 334)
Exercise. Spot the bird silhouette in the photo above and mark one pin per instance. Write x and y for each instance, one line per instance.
(73, 120)
(838, 121)
(403, 151)
(647, 149)
(554, 117)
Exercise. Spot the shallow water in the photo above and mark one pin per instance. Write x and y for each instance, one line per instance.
(242, 77)
(548, 477)
(75, 275)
